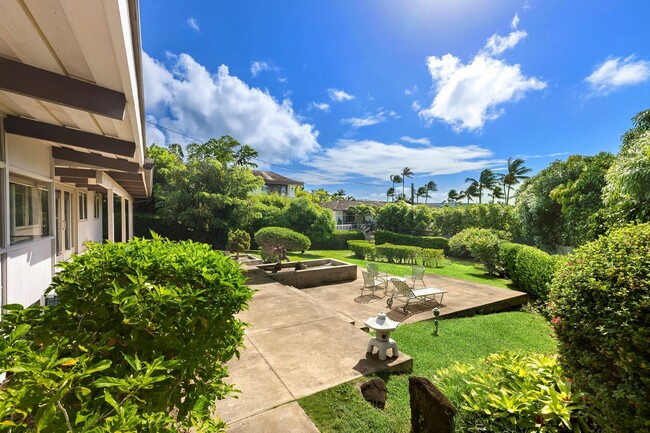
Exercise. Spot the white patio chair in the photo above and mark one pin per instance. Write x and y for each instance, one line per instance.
(404, 291)
(373, 282)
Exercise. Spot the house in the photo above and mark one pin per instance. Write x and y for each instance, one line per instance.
(278, 184)
(72, 143)
(344, 218)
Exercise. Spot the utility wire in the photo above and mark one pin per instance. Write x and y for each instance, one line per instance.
(266, 162)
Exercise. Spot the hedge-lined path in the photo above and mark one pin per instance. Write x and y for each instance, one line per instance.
(463, 298)
(295, 347)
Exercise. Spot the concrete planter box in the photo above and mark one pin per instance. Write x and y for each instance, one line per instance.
(318, 272)
(247, 259)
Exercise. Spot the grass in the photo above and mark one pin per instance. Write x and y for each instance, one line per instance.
(343, 409)
(461, 269)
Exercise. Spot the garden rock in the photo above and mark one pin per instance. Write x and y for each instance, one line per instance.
(374, 391)
(300, 266)
(431, 411)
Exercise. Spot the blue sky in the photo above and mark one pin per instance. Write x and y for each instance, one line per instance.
(344, 93)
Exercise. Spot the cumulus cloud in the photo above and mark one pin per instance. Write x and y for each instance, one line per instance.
(370, 119)
(411, 90)
(468, 95)
(193, 23)
(615, 73)
(257, 67)
(339, 95)
(184, 96)
(424, 141)
(373, 159)
(321, 106)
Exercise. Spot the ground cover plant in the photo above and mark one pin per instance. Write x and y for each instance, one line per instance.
(342, 409)
(462, 269)
(138, 341)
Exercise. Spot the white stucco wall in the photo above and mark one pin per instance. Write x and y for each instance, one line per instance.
(91, 228)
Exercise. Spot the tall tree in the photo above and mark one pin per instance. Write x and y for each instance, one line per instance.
(320, 195)
(406, 172)
(453, 196)
(497, 193)
(340, 194)
(470, 192)
(245, 155)
(516, 173)
(390, 194)
(486, 180)
(422, 192)
(431, 186)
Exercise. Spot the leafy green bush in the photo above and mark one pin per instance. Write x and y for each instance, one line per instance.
(431, 257)
(517, 392)
(339, 240)
(507, 257)
(458, 244)
(238, 241)
(362, 249)
(448, 221)
(280, 236)
(600, 298)
(143, 329)
(533, 271)
(433, 242)
(398, 253)
(403, 218)
(483, 245)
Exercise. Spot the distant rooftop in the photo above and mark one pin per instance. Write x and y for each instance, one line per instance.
(271, 178)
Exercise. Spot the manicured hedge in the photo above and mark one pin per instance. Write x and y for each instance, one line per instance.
(279, 236)
(398, 253)
(534, 271)
(508, 256)
(600, 300)
(432, 242)
(339, 240)
(362, 249)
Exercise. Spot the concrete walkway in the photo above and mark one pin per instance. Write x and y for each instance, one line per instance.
(295, 347)
(304, 341)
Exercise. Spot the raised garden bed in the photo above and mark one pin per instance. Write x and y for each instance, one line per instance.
(318, 272)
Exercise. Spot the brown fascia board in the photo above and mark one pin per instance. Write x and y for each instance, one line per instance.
(94, 160)
(68, 136)
(17, 77)
(75, 172)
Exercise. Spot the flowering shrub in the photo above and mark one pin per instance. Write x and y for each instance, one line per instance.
(600, 301)
(517, 392)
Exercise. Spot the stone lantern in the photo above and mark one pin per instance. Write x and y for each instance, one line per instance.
(382, 326)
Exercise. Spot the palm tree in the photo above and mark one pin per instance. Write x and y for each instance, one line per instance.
(406, 172)
(453, 196)
(486, 180)
(390, 193)
(497, 193)
(516, 172)
(430, 186)
(422, 192)
(401, 196)
(470, 192)
(339, 194)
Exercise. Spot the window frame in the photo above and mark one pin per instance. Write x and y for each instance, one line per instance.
(83, 205)
(33, 203)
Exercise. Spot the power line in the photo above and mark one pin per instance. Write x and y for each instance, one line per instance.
(265, 162)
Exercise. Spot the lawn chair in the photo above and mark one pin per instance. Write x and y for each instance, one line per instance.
(373, 282)
(417, 274)
(373, 269)
(403, 290)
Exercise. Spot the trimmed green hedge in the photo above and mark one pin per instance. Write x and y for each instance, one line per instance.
(601, 307)
(508, 256)
(362, 249)
(534, 271)
(397, 253)
(432, 242)
(339, 240)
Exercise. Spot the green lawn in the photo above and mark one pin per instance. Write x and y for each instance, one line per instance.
(342, 409)
(467, 270)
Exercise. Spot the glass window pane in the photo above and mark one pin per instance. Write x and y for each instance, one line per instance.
(29, 212)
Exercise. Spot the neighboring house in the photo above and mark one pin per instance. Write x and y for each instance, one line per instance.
(72, 144)
(278, 184)
(343, 216)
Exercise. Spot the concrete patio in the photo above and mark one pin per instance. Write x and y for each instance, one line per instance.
(302, 341)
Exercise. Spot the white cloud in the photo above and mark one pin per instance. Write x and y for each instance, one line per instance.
(322, 106)
(425, 141)
(411, 90)
(339, 95)
(468, 95)
(184, 96)
(615, 73)
(371, 119)
(257, 67)
(415, 105)
(515, 22)
(375, 160)
(193, 23)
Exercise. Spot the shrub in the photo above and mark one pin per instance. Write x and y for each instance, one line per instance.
(507, 257)
(398, 253)
(448, 221)
(518, 392)
(339, 240)
(433, 242)
(533, 271)
(142, 329)
(238, 241)
(483, 245)
(600, 298)
(458, 244)
(403, 218)
(275, 240)
(431, 257)
(362, 249)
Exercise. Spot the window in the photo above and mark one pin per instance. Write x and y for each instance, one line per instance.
(98, 206)
(29, 211)
(83, 206)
